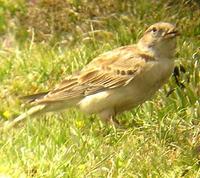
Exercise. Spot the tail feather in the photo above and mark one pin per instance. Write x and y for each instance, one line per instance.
(32, 111)
(32, 98)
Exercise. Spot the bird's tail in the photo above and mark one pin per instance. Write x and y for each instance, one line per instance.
(32, 111)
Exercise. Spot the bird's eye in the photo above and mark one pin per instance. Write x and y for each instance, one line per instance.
(154, 29)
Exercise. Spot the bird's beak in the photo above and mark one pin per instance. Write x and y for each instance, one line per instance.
(172, 34)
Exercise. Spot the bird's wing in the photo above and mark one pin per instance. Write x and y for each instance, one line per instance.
(110, 70)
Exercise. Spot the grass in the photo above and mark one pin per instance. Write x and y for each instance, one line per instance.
(162, 138)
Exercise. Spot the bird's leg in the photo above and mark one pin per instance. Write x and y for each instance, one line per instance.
(114, 121)
(109, 117)
(111, 120)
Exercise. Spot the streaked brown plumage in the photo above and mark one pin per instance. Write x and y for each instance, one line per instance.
(116, 80)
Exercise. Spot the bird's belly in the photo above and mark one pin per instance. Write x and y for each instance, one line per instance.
(119, 99)
(94, 103)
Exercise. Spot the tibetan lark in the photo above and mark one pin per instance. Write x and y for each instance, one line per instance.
(115, 81)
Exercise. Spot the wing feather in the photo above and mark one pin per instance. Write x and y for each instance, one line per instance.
(110, 70)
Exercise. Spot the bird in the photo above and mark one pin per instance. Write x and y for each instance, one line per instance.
(115, 81)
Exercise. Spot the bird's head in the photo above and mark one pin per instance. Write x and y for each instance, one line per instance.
(160, 38)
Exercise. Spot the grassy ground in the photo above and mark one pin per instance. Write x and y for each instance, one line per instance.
(162, 138)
